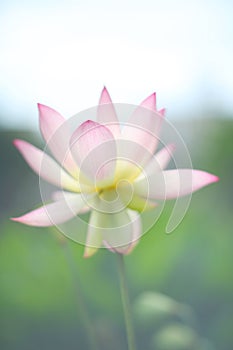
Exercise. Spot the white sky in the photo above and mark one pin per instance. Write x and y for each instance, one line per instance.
(61, 53)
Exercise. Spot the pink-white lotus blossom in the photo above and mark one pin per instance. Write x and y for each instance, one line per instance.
(107, 169)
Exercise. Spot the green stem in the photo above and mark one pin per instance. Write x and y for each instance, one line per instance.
(79, 298)
(126, 303)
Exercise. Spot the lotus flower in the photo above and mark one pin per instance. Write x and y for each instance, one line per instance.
(109, 170)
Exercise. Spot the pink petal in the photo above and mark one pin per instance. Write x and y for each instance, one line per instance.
(149, 102)
(106, 113)
(54, 213)
(56, 135)
(142, 133)
(45, 166)
(171, 184)
(105, 97)
(158, 162)
(93, 147)
(163, 157)
(162, 111)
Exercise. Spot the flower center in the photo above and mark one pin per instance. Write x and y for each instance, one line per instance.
(117, 197)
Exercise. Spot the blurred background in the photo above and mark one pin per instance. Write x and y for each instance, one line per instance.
(61, 54)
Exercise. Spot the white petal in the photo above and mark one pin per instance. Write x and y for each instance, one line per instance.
(120, 231)
(94, 235)
(45, 166)
(54, 213)
(61, 195)
(136, 232)
(171, 184)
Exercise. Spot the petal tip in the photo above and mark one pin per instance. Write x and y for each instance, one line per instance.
(46, 112)
(41, 107)
(14, 219)
(88, 253)
(16, 142)
(207, 177)
(162, 112)
(105, 96)
(19, 219)
(43, 110)
(214, 178)
(153, 95)
(150, 102)
(24, 220)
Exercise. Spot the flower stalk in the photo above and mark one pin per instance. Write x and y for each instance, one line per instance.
(126, 303)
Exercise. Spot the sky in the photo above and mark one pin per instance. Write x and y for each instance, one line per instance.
(62, 53)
